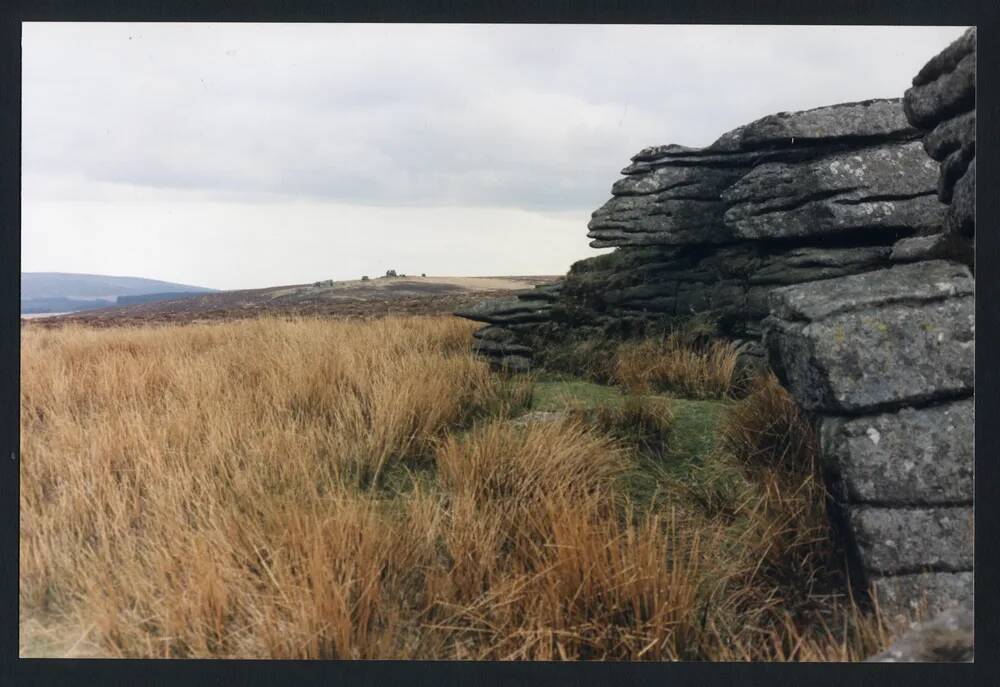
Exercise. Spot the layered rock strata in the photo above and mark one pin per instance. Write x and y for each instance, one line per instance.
(885, 360)
(787, 199)
(942, 102)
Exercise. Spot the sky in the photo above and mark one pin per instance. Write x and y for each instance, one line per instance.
(249, 155)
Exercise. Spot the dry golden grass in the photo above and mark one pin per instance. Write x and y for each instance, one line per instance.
(318, 489)
(673, 363)
(162, 467)
(794, 545)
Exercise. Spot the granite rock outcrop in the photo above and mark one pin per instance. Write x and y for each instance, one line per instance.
(886, 362)
(942, 102)
(787, 199)
(836, 245)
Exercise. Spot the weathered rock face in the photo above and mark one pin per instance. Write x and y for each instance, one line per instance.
(791, 198)
(942, 102)
(932, 591)
(844, 169)
(878, 340)
(871, 188)
(946, 86)
(510, 321)
(863, 455)
(885, 360)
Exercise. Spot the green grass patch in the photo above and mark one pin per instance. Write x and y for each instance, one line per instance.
(689, 459)
(695, 426)
(689, 467)
(696, 421)
(567, 394)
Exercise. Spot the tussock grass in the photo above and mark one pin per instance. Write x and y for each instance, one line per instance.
(163, 470)
(495, 462)
(786, 517)
(773, 441)
(643, 422)
(345, 489)
(589, 358)
(767, 427)
(673, 363)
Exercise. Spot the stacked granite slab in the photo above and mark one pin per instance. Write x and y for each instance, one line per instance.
(510, 322)
(790, 198)
(942, 101)
(885, 362)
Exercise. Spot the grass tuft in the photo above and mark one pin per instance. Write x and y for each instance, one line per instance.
(674, 364)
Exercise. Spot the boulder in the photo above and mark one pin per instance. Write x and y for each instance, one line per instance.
(506, 311)
(877, 187)
(496, 334)
(497, 349)
(948, 59)
(916, 248)
(948, 637)
(807, 264)
(660, 219)
(943, 98)
(928, 281)
(702, 183)
(878, 119)
(952, 169)
(951, 135)
(876, 340)
(659, 151)
(916, 456)
(703, 160)
(909, 595)
(961, 217)
(893, 541)
(878, 358)
(950, 94)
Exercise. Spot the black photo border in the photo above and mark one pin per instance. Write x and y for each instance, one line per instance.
(982, 13)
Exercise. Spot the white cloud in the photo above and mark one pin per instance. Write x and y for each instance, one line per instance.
(186, 237)
(530, 120)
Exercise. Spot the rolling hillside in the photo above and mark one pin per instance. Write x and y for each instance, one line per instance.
(49, 292)
(353, 298)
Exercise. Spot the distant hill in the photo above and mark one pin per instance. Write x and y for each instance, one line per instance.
(43, 292)
(374, 297)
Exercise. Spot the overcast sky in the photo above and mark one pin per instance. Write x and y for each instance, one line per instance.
(249, 155)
